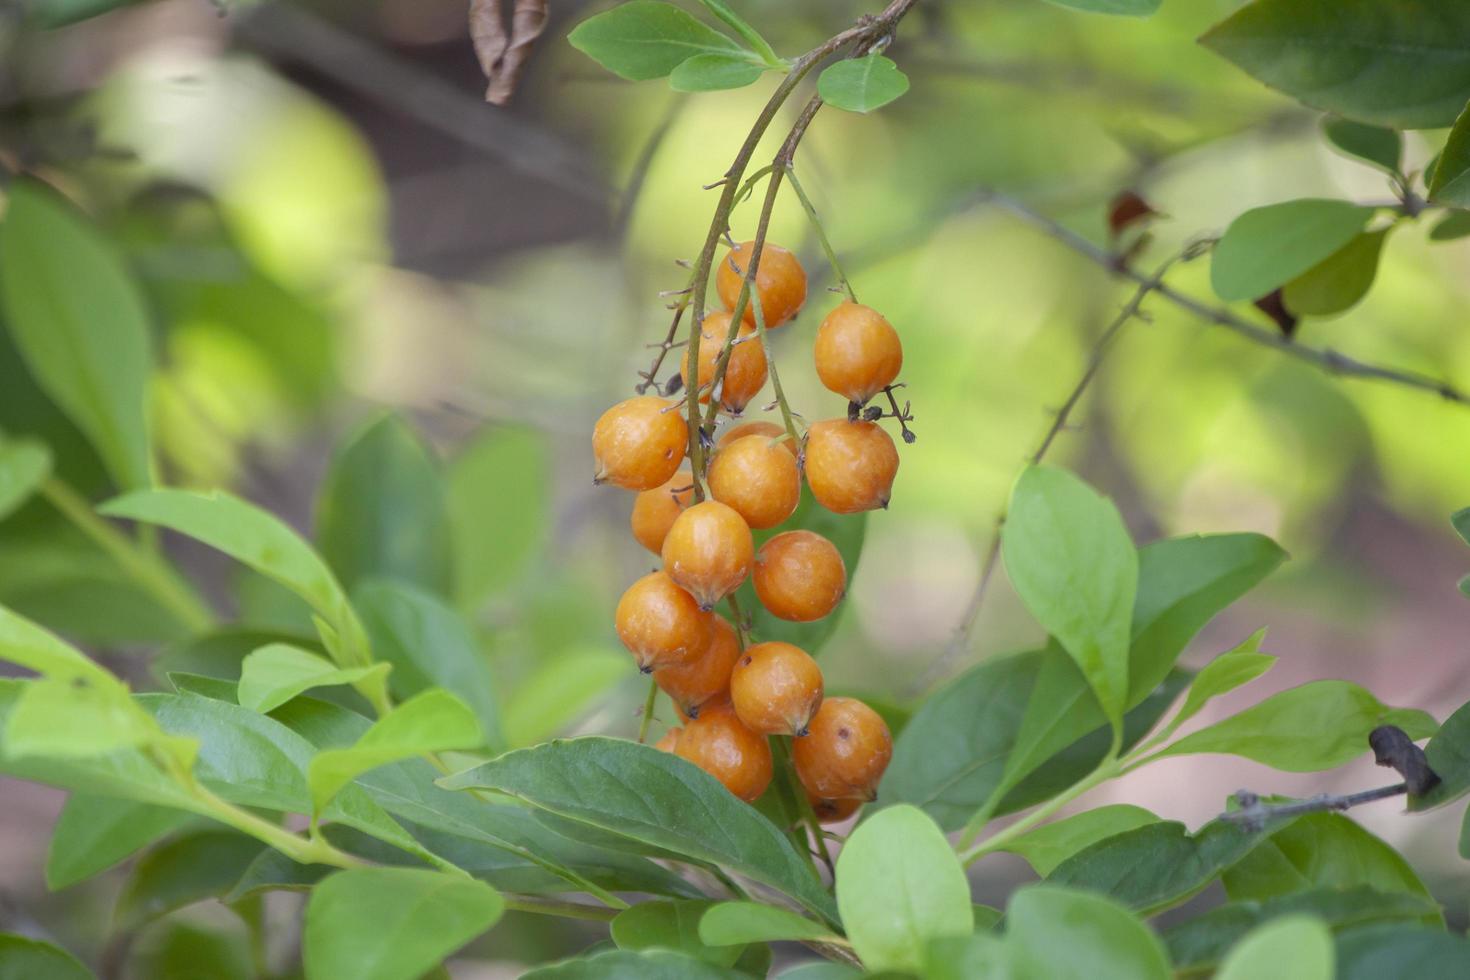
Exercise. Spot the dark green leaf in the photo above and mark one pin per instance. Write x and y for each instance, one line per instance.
(1050, 844)
(500, 509)
(273, 871)
(1126, 8)
(1460, 521)
(823, 970)
(185, 870)
(714, 73)
(23, 958)
(1338, 282)
(1063, 934)
(1451, 183)
(622, 964)
(1269, 246)
(862, 84)
(1455, 225)
(94, 833)
(1400, 952)
(175, 949)
(670, 925)
(1296, 946)
(732, 923)
(645, 39)
(1381, 147)
(24, 466)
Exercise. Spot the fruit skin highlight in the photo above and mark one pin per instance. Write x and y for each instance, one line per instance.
(776, 688)
(756, 478)
(850, 466)
(639, 443)
(780, 282)
(708, 552)
(654, 511)
(799, 576)
(661, 624)
(719, 744)
(845, 751)
(857, 352)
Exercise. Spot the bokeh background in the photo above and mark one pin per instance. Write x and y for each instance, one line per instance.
(330, 224)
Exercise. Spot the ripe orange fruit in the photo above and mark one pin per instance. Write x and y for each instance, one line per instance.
(694, 684)
(745, 375)
(780, 282)
(719, 744)
(708, 552)
(858, 352)
(776, 688)
(850, 466)
(799, 575)
(671, 740)
(661, 624)
(768, 429)
(846, 749)
(654, 510)
(758, 479)
(830, 811)
(639, 443)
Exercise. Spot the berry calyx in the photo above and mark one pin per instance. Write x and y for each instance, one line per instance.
(776, 688)
(696, 683)
(708, 552)
(799, 576)
(757, 478)
(661, 624)
(745, 375)
(719, 744)
(654, 511)
(780, 282)
(639, 443)
(846, 749)
(850, 465)
(858, 352)
(770, 430)
(829, 811)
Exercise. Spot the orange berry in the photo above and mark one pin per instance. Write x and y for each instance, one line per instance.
(858, 353)
(719, 744)
(745, 375)
(694, 684)
(799, 575)
(850, 466)
(670, 741)
(830, 811)
(846, 749)
(639, 443)
(758, 479)
(654, 510)
(768, 429)
(780, 282)
(776, 688)
(661, 624)
(708, 551)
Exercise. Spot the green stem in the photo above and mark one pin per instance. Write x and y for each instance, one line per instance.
(551, 906)
(304, 850)
(1106, 770)
(821, 232)
(803, 806)
(648, 705)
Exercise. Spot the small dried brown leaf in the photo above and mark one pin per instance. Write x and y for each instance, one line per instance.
(503, 53)
(1126, 209)
(1273, 306)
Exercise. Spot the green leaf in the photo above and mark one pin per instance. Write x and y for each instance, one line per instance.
(1338, 282)
(274, 674)
(23, 958)
(1223, 674)
(434, 721)
(27, 645)
(983, 956)
(622, 964)
(1448, 753)
(1319, 725)
(81, 324)
(561, 691)
(1296, 946)
(714, 72)
(1269, 246)
(392, 923)
(80, 717)
(1405, 66)
(899, 885)
(24, 466)
(500, 510)
(862, 84)
(1399, 952)
(1062, 934)
(1455, 225)
(273, 871)
(736, 923)
(1124, 8)
(1377, 145)
(429, 645)
(95, 833)
(383, 510)
(1451, 182)
(1071, 561)
(740, 26)
(185, 870)
(1460, 521)
(670, 925)
(650, 796)
(825, 970)
(175, 949)
(645, 39)
(1050, 844)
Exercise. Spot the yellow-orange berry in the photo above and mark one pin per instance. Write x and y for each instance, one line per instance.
(831, 811)
(707, 678)
(776, 688)
(799, 575)
(708, 552)
(745, 375)
(670, 742)
(858, 352)
(758, 478)
(780, 282)
(770, 430)
(850, 466)
(719, 744)
(846, 749)
(661, 624)
(654, 511)
(639, 443)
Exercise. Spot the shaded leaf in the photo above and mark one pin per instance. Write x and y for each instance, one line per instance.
(1455, 225)
(95, 833)
(622, 964)
(182, 871)
(1064, 934)
(731, 923)
(24, 958)
(1126, 8)
(1400, 952)
(1451, 181)
(1049, 845)
(670, 925)
(500, 509)
(1378, 145)
(1270, 246)
(1339, 281)
(24, 466)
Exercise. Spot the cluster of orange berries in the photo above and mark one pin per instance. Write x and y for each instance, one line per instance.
(731, 696)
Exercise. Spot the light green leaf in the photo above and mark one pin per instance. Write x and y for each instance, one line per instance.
(1299, 947)
(734, 923)
(1223, 674)
(714, 72)
(670, 925)
(185, 870)
(645, 39)
(862, 84)
(741, 26)
(1451, 182)
(1062, 934)
(24, 958)
(900, 885)
(1050, 844)
(500, 508)
(559, 692)
(274, 674)
(1381, 147)
(24, 466)
(1339, 281)
(1070, 559)
(27, 645)
(392, 923)
(1125, 8)
(1405, 66)
(81, 324)
(75, 718)
(94, 833)
(1269, 246)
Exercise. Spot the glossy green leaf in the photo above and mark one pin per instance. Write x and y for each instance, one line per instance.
(645, 39)
(862, 84)
(95, 833)
(24, 958)
(1064, 934)
(24, 466)
(670, 925)
(1050, 844)
(1296, 946)
(500, 508)
(1451, 182)
(1069, 557)
(900, 885)
(623, 964)
(559, 692)
(278, 672)
(1378, 145)
(650, 796)
(1269, 246)
(1125, 8)
(1400, 952)
(733, 923)
(1405, 66)
(80, 322)
(714, 73)
(1319, 725)
(1338, 282)
(1453, 226)
(1222, 675)
(188, 869)
(392, 923)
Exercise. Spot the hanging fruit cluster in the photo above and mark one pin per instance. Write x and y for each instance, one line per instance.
(732, 694)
